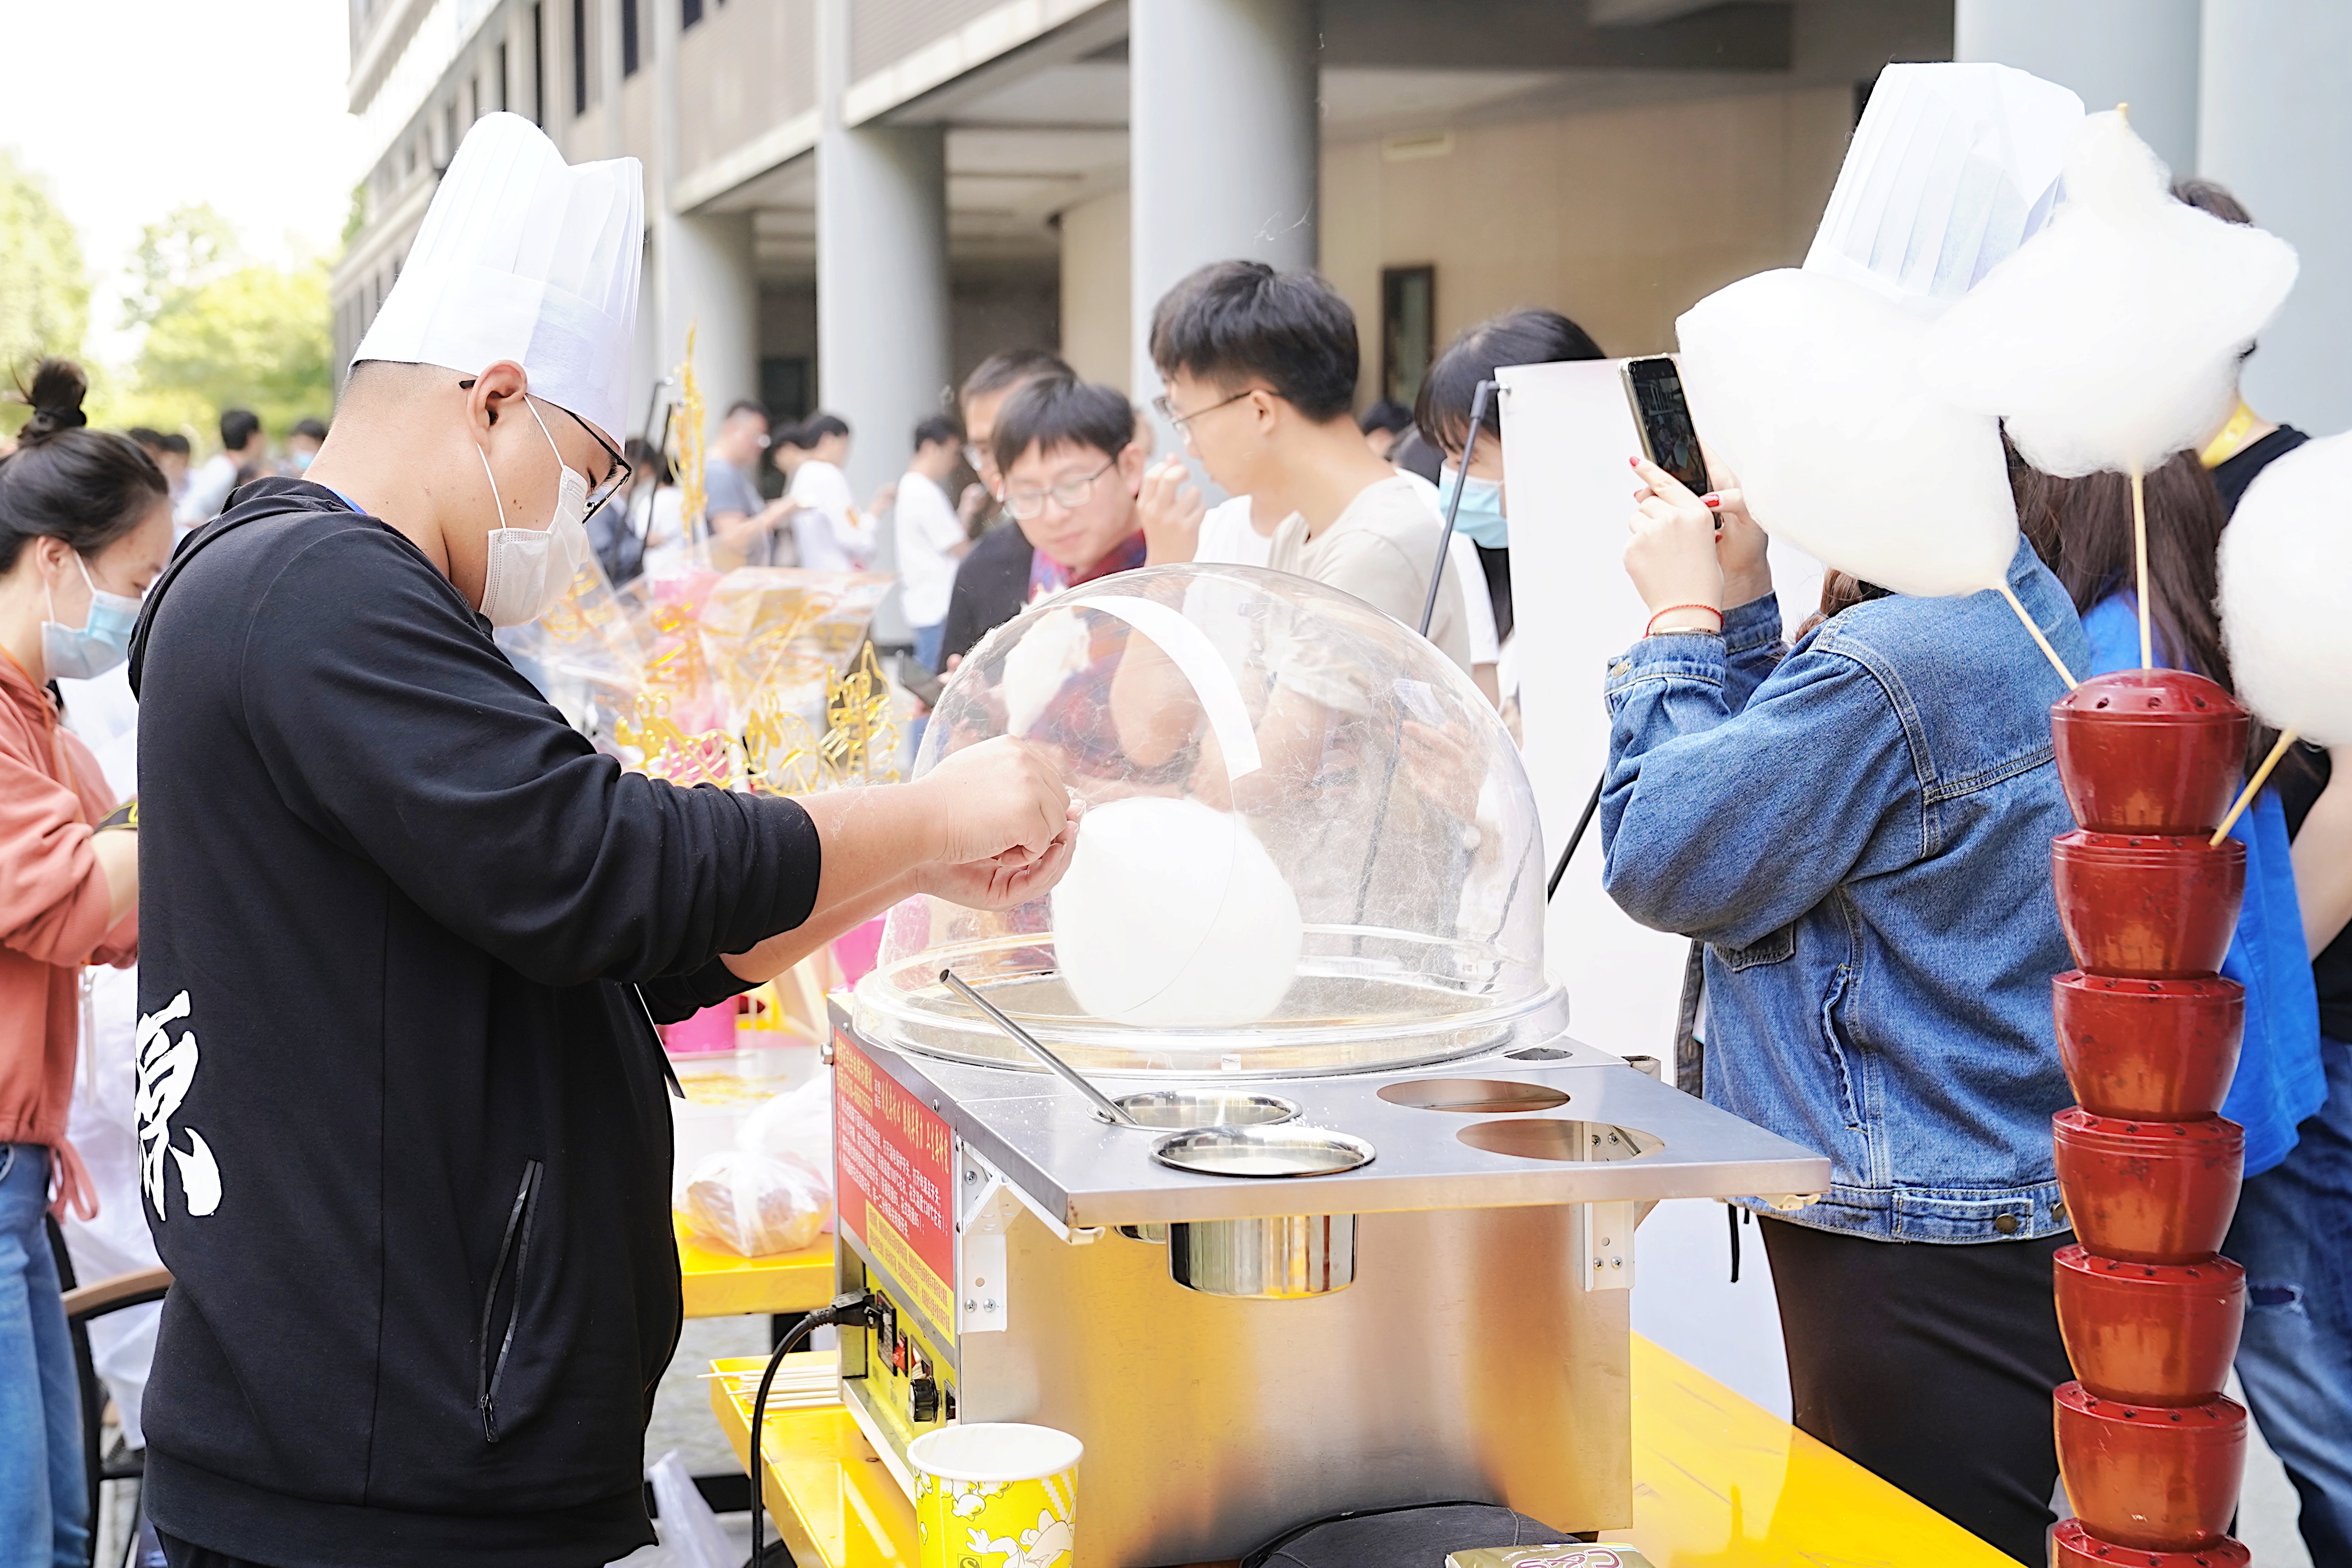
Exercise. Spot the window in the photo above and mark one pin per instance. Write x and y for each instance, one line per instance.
(538, 67)
(579, 56)
(1408, 330)
(503, 78)
(689, 12)
(628, 37)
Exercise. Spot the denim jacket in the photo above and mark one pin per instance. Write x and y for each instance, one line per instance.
(1860, 831)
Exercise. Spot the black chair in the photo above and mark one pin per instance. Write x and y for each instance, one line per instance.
(85, 1303)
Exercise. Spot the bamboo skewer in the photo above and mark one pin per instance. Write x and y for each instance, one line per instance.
(2140, 551)
(2246, 796)
(2038, 640)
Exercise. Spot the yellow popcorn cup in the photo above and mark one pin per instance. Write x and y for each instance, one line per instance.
(997, 1495)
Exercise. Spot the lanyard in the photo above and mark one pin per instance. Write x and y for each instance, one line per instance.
(2225, 446)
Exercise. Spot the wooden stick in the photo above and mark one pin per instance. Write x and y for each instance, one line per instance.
(2139, 549)
(2246, 796)
(2038, 640)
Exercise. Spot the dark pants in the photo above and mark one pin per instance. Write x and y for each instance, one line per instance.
(2294, 1233)
(1930, 1366)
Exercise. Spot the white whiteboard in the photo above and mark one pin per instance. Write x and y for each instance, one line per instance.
(1567, 437)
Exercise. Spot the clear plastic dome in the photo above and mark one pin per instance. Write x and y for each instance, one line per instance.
(1310, 844)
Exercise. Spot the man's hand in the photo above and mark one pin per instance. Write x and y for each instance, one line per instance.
(1000, 800)
(973, 505)
(1004, 882)
(1170, 509)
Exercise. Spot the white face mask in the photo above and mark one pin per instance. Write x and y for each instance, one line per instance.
(529, 568)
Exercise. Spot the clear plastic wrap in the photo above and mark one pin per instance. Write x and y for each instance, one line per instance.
(754, 1204)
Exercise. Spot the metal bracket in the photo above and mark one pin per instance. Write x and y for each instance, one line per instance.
(1607, 1246)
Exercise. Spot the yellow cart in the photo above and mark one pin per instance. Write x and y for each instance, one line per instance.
(1717, 1483)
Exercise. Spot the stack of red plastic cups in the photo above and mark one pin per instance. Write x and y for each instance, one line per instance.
(2152, 1454)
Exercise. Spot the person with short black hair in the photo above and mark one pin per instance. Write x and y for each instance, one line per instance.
(1382, 424)
(1442, 415)
(243, 446)
(832, 533)
(992, 584)
(929, 536)
(85, 525)
(1071, 467)
(303, 444)
(743, 527)
(168, 453)
(1259, 368)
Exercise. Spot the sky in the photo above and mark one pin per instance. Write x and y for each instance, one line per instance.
(127, 109)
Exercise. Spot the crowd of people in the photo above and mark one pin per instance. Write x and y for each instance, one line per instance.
(1856, 823)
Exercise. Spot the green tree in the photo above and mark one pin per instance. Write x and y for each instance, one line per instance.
(43, 292)
(256, 338)
(190, 248)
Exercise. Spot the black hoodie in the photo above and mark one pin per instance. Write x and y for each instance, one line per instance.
(404, 1115)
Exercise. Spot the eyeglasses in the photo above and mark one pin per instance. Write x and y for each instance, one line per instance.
(617, 477)
(1183, 422)
(1027, 504)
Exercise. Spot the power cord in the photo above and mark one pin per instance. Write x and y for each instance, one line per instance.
(856, 1306)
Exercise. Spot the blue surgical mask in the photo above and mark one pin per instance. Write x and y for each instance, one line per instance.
(98, 644)
(1481, 516)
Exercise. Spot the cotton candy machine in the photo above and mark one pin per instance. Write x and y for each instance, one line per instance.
(1371, 1244)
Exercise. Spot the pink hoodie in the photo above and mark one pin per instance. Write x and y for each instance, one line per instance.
(53, 907)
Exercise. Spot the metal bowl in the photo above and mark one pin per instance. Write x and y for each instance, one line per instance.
(1257, 1151)
(1276, 1258)
(1182, 1109)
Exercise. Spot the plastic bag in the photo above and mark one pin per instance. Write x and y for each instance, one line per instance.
(752, 1204)
(691, 1535)
(797, 1122)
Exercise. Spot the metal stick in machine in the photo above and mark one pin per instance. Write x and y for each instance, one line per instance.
(1069, 1075)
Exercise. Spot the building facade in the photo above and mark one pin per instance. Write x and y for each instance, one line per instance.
(853, 201)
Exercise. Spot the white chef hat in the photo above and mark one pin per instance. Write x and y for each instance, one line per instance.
(1952, 168)
(524, 258)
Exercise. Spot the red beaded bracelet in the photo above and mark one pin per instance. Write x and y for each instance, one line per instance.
(1651, 629)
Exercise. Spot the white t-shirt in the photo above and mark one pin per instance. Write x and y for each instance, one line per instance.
(207, 491)
(1379, 548)
(1229, 539)
(832, 537)
(928, 530)
(655, 517)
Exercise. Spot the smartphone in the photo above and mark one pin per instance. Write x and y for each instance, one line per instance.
(1654, 387)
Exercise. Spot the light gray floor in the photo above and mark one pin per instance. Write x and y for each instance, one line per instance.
(1685, 1301)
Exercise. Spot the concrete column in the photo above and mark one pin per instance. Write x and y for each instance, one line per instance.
(2275, 126)
(1222, 146)
(2140, 52)
(701, 273)
(881, 270)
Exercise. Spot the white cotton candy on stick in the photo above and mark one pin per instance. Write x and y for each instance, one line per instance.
(2286, 593)
(1173, 915)
(1807, 387)
(2111, 340)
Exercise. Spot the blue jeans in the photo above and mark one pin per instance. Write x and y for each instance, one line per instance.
(44, 1503)
(926, 645)
(2294, 1233)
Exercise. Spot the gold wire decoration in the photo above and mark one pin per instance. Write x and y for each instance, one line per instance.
(857, 720)
(780, 752)
(712, 757)
(687, 429)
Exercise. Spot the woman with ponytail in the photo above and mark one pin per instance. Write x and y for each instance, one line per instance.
(85, 525)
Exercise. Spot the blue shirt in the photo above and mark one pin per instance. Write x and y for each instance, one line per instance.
(1859, 827)
(2280, 1076)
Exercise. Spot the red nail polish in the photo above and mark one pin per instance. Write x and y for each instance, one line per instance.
(1712, 501)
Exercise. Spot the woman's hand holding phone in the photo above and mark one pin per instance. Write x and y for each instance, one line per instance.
(1672, 556)
(1739, 544)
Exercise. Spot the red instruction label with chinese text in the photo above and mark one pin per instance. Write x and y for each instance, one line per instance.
(890, 1156)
